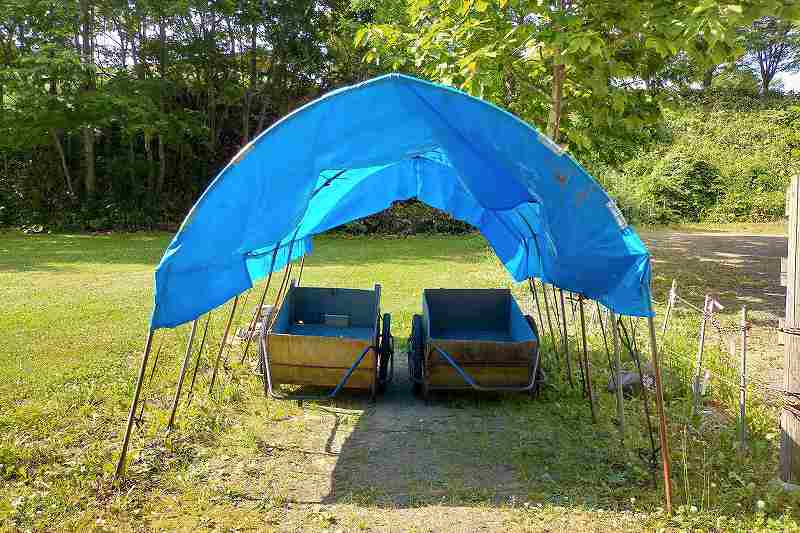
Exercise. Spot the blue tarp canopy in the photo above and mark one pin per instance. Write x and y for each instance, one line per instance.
(355, 150)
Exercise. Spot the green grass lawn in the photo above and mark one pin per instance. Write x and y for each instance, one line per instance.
(73, 324)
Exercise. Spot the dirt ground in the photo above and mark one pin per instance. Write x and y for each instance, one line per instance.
(737, 269)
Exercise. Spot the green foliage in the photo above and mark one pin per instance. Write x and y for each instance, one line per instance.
(725, 156)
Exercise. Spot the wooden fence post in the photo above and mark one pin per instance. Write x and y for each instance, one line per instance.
(790, 423)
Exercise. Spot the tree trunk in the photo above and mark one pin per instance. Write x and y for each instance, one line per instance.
(162, 165)
(708, 78)
(554, 122)
(90, 178)
(56, 135)
(248, 96)
(87, 53)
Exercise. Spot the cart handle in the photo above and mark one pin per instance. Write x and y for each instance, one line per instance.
(329, 396)
(472, 383)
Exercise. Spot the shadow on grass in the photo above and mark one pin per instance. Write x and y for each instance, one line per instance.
(467, 449)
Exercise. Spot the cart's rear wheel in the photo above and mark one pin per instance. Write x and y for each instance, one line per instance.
(539, 372)
(416, 354)
(385, 353)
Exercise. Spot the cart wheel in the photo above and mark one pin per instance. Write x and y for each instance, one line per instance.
(416, 356)
(539, 371)
(385, 352)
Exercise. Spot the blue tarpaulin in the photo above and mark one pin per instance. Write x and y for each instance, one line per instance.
(355, 150)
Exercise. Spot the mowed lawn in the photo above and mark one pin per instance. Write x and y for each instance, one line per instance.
(73, 324)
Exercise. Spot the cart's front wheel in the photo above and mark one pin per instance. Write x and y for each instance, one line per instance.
(416, 354)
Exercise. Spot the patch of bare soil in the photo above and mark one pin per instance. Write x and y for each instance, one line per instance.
(737, 270)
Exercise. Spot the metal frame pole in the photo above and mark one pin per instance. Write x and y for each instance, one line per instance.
(222, 344)
(618, 372)
(252, 327)
(586, 359)
(550, 327)
(532, 286)
(699, 361)
(197, 364)
(566, 339)
(673, 291)
(743, 382)
(662, 418)
(182, 375)
(132, 413)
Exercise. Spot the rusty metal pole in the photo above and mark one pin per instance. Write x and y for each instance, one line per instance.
(586, 360)
(132, 413)
(566, 340)
(662, 417)
(182, 375)
(699, 361)
(222, 344)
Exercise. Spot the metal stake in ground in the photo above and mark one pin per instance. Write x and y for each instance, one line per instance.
(197, 364)
(662, 418)
(566, 340)
(182, 375)
(132, 414)
(618, 380)
(222, 344)
(699, 362)
(586, 359)
(605, 343)
(252, 327)
(550, 327)
(743, 382)
(673, 291)
(150, 381)
(532, 286)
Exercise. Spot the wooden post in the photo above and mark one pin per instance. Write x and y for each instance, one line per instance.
(662, 417)
(673, 292)
(790, 423)
(618, 379)
(566, 339)
(132, 413)
(222, 345)
(182, 375)
(743, 382)
(588, 374)
(696, 387)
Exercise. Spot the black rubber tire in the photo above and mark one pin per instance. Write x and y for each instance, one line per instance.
(385, 351)
(416, 354)
(539, 371)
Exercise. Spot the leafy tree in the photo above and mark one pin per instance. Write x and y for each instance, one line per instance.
(578, 70)
(773, 46)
